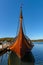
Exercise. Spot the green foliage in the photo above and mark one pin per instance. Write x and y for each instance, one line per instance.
(12, 39)
(39, 40)
(6, 39)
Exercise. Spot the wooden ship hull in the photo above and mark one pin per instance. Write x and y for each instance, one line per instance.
(20, 52)
(22, 45)
(23, 52)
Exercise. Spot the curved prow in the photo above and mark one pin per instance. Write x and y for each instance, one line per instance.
(21, 45)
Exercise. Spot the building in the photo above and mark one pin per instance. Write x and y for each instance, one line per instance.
(6, 44)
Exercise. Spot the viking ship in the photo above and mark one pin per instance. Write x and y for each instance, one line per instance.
(22, 44)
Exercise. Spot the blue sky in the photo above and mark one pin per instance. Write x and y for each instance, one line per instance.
(32, 18)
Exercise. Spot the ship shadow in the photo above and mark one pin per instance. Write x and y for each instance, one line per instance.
(28, 59)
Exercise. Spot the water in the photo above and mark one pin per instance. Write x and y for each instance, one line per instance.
(35, 57)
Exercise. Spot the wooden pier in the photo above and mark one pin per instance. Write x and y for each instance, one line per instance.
(4, 48)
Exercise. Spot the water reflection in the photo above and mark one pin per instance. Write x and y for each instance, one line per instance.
(3, 51)
(9, 58)
(28, 59)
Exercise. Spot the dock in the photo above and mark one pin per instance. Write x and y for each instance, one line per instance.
(4, 48)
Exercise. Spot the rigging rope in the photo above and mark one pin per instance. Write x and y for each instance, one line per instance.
(24, 28)
(17, 28)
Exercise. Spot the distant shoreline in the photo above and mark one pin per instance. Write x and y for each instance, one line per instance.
(39, 40)
(12, 39)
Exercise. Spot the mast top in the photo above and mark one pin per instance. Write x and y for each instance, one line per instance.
(21, 16)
